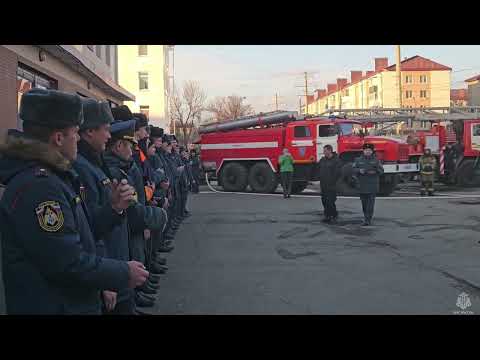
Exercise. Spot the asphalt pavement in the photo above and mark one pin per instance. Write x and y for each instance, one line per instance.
(262, 254)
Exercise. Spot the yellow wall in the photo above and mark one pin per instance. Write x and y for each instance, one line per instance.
(130, 64)
(440, 88)
(390, 95)
(437, 86)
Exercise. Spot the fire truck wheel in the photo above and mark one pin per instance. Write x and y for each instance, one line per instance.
(466, 176)
(234, 177)
(262, 179)
(299, 186)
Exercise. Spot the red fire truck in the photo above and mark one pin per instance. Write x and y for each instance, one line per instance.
(454, 138)
(244, 152)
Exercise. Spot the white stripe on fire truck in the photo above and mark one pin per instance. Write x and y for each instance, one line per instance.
(302, 142)
(245, 145)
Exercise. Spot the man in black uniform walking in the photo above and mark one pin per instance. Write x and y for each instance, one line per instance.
(330, 170)
(50, 264)
(368, 169)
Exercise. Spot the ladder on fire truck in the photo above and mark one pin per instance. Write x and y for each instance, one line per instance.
(405, 114)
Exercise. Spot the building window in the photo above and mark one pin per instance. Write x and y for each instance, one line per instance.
(107, 54)
(347, 92)
(423, 93)
(112, 104)
(28, 78)
(90, 47)
(408, 94)
(301, 131)
(143, 80)
(142, 50)
(408, 79)
(145, 110)
(423, 78)
(98, 51)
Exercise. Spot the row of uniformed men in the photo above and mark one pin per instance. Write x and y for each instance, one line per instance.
(93, 198)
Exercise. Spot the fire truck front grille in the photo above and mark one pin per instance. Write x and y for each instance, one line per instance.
(403, 153)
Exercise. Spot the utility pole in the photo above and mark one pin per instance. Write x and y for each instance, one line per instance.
(173, 84)
(399, 76)
(276, 102)
(306, 93)
(300, 105)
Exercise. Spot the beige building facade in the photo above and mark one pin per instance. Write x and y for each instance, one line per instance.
(425, 83)
(473, 91)
(145, 71)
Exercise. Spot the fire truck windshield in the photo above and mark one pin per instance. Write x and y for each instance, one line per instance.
(350, 129)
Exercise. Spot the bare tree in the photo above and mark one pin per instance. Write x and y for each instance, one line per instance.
(186, 109)
(229, 108)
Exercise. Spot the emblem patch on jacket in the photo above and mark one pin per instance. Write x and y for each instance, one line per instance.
(83, 193)
(50, 216)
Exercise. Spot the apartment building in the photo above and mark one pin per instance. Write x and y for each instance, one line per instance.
(424, 83)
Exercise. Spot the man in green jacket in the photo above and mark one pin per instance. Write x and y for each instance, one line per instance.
(285, 163)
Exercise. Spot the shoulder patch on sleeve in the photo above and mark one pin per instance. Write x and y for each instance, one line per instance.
(50, 216)
(41, 172)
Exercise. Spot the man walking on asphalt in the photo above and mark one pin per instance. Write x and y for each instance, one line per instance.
(368, 170)
(330, 170)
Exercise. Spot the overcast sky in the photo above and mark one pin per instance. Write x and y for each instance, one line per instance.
(259, 71)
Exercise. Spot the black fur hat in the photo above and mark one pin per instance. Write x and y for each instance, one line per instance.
(368, 146)
(141, 120)
(122, 113)
(95, 113)
(51, 108)
(166, 139)
(156, 132)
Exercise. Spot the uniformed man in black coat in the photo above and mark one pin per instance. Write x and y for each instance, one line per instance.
(50, 264)
(195, 164)
(367, 168)
(168, 155)
(182, 178)
(330, 170)
(107, 212)
(164, 148)
(162, 188)
(151, 181)
(189, 178)
(142, 217)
